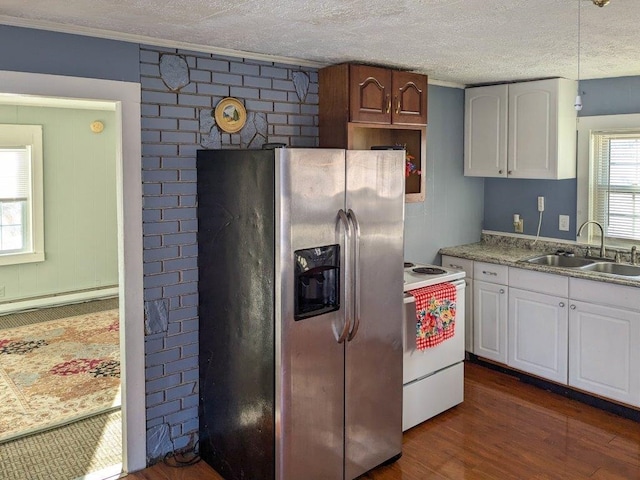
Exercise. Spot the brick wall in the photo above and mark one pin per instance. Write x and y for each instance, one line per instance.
(180, 89)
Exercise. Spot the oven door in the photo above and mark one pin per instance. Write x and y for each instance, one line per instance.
(422, 363)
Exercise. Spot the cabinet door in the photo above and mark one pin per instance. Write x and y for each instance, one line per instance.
(490, 320)
(604, 357)
(538, 328)
(409, 97)
(485, 132)
(533, 129)
(370, 94)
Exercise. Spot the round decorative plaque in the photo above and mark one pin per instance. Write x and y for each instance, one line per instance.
(230, 115)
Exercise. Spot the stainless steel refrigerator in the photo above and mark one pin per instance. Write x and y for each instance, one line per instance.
(300, 255)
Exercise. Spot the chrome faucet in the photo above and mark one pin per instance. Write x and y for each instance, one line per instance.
(602, 249)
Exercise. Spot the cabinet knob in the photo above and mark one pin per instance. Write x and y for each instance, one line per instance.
(502, 290)
(572, 307)
(454, 266)
(500, 172)
(397, 105)
(486, 272)
(509, 172)
(388, 103)
(561, 304)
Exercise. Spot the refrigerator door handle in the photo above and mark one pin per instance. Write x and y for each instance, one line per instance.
(344, 220)
(356, 267)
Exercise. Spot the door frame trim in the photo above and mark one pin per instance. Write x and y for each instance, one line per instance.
(124, 98)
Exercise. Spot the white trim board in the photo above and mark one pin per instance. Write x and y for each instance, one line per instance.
(585, 125)
(57, 300)
(125, 98)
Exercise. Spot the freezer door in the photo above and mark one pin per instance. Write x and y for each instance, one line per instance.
(373, 406)
(310, 185)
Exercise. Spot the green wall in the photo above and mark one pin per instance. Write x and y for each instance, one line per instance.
(79, 204)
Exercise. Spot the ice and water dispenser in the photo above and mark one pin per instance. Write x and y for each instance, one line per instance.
(317, 281)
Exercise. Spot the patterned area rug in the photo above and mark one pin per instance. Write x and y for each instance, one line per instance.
(56, 372)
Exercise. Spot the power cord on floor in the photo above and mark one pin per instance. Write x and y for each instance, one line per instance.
(183, 458)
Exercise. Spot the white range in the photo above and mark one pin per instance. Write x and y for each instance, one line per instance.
(433, 379)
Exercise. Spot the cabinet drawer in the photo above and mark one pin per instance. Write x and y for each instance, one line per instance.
(604, 293)
(456, 263)
(490, 272)
(539, 282)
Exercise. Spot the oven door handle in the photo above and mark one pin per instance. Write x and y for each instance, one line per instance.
(348, 234)
(356, 267)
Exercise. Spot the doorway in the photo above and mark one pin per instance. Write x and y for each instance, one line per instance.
(124, 98)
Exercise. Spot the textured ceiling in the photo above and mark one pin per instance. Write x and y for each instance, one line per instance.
(457, 41)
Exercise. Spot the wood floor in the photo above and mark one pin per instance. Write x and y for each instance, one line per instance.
(504, 430)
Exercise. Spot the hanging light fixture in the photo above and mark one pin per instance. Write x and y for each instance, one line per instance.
(601, 3)
(578, 103)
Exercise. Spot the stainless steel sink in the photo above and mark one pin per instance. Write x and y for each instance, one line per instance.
(613, 269)
(586, 265)
(560, 261)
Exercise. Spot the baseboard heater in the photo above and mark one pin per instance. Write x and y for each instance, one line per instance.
(58, 299)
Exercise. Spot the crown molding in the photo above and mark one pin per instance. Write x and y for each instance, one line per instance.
(160, 42)
(157, 42)
(442, 83)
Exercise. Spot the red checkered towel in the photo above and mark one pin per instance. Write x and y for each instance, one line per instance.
(435, 314)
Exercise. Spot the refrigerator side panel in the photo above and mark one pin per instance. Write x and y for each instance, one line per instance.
(236, 234)
(310, 361)
(373, 415)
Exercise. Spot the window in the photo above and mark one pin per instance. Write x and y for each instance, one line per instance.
(615, 186)
(608, 178)
(21, 200)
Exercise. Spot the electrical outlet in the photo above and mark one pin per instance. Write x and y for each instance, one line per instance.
(1, 290)
(563, 223)
(541, 204)
(518, 226)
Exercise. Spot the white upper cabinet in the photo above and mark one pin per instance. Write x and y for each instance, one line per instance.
(485, 131)
(521, 130)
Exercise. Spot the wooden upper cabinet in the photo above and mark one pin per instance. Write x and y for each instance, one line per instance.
(410, 97)
(362, 107)
(370, 94)
(380, 95)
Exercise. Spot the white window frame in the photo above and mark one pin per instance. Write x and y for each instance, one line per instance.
(31, 136)
(585, 126)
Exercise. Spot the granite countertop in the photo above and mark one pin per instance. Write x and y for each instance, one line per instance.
(512, 251)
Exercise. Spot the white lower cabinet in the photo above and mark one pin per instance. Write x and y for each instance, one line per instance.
(573, 331)
(604, 351)
(538, 331)
(604, 339)
(490, 320)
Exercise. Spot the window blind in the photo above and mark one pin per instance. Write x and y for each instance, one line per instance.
(615, 183)
(15, 178)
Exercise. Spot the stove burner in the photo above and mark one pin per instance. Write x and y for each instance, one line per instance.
(429, 270)
(408, 264)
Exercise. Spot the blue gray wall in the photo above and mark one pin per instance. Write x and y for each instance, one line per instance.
(504, 197)
(40, 51)
(453, 209)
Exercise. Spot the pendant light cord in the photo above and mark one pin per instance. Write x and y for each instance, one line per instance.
(578, 102)
(579, 22)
